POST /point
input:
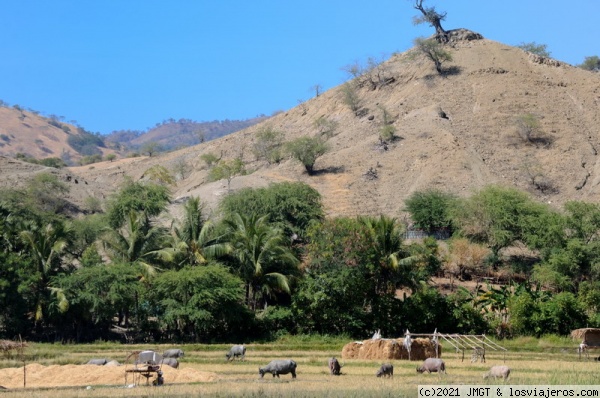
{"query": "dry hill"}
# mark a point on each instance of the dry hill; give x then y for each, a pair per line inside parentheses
(456, 132)
(26, 132)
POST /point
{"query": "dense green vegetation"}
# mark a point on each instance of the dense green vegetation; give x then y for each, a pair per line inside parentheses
(270, 264)
(86, 143)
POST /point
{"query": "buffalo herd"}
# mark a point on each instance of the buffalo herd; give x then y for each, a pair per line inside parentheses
(285, 366)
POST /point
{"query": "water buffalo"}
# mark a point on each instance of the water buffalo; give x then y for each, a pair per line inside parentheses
(173, 353)
(498, 371)
(334, 366)
(432, 365)
(97, 361)
(279, 367)
(236, 351)
(172, 362)
(148, 358)
(387, 369)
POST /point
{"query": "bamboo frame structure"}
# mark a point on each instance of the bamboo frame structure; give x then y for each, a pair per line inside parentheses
(460, 342)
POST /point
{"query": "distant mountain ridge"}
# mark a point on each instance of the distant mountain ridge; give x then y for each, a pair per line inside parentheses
(174, 134)
(28, 134)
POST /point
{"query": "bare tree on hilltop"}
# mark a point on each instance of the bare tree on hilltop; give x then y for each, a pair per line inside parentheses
(433, 18)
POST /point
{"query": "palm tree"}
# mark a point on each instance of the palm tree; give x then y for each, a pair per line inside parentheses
(138, 242)
(396, 265)
(266, 264)
(194, 241)
(46, 244)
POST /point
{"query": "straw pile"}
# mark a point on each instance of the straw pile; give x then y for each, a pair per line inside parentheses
(89, 375)
(390, 349)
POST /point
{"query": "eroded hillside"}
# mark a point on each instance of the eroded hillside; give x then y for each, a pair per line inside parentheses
(456, 132)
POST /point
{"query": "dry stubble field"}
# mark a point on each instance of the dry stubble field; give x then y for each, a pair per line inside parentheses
(204, 372)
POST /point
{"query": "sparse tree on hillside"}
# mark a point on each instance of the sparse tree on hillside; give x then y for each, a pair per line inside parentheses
(268, 145)
(534, 48)
(530, 130)
(350, 97)
(159, 175)
(307, 150)
(433, 18)
(317, 88)
(151, 148)
(374, 73)
(210, 158)
(201, 134)
(326, 126)
(181, 168)
(591, 63)
(434, 51)
(110, 157)
(387, 130)
(228, 169)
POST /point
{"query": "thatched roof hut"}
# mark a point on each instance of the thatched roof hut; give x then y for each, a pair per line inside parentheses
(590, 335)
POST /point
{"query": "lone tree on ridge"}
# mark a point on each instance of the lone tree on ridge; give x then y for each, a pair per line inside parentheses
(433, 18)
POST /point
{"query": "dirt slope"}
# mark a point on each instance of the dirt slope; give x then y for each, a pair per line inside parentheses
(456, 132)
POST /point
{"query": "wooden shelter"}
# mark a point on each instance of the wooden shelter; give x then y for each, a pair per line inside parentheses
(591, 336)
(589, 339)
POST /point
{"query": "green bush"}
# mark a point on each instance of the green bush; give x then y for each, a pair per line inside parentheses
(430, 209)
(90, 159)
(86, 143)
(591, 63)
(307, 150)
(534, 48)
(57, 163)
(209, 158)
(267, 145)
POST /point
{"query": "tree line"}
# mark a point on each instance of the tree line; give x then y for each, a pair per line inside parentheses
(270, 263)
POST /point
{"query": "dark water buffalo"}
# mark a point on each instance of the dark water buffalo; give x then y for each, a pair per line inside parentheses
(236, 351)
(334, 366)
(97, 361)
(432, 365)
(173, 353)
(279, 367)
(172, 362)
(386, 370)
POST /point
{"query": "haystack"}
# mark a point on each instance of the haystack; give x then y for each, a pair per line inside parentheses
(383, 349)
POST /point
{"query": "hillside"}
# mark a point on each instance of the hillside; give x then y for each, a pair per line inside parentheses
(456, 132)
(28, 133)
(173, 134)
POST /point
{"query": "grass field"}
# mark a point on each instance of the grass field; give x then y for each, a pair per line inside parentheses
(533, 361)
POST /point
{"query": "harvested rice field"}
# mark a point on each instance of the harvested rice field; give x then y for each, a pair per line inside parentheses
(59, 371)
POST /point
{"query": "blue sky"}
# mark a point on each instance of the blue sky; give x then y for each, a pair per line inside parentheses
(129, 64)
